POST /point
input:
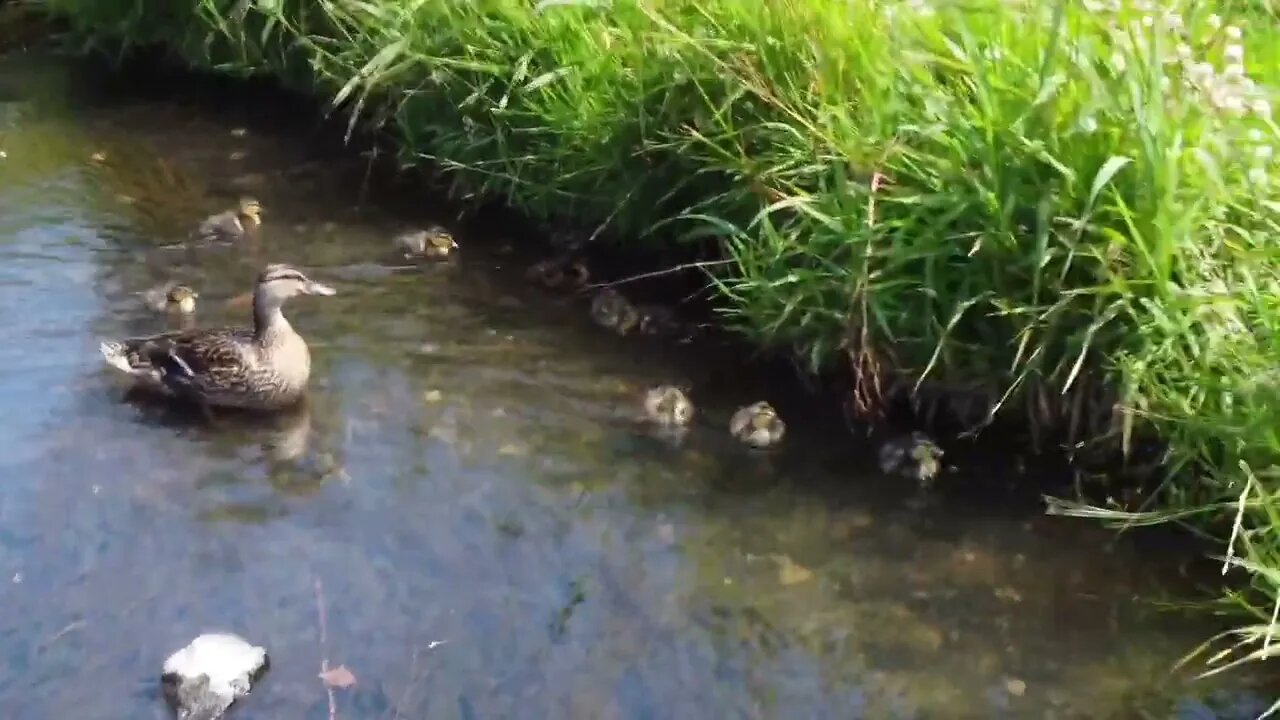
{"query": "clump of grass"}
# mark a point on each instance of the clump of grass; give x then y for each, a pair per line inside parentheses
(1068, 210)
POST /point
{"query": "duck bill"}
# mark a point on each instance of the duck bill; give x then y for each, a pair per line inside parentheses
(315, 288)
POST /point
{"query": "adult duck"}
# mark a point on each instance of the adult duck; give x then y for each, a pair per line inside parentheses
(265, 367)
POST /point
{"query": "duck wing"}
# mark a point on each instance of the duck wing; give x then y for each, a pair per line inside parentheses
(192, 361)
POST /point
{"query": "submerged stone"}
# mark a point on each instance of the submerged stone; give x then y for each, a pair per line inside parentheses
(204, 678)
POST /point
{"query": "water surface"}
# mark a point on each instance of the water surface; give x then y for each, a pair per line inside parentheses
(467, 471)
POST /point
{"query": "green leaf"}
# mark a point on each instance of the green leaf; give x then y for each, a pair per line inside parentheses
(1109, 169)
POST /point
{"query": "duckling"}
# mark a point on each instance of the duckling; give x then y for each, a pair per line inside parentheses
(576, 275)
(265, 367)
(757, 425)
(612, 311)
(232, 224)
(181, 299)
(558, 274)
(545, 273)
(568, 240)
(668, 406)
(659, 320)
(912, 456)
(435, 242)
(171, 298)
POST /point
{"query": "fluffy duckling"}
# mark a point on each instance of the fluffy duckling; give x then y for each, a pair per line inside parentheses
(232, 224)
(171, 298)
(435, 242)
(662, 320)
(757, 425)
(559, 275)
(612, 311)
(181, 299)
(659, 320)
(668, 406)
(545, 273)
(913, 456)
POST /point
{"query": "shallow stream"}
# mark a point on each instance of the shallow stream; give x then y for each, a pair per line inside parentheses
(491, 535)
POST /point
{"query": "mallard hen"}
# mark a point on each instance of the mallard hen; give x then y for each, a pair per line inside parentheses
(757, 425)
(265, 367)
(668, 406)
(232, 224)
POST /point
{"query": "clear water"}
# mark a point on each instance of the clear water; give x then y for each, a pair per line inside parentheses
(467, 472)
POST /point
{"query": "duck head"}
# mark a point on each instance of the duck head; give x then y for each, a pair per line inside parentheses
(249, 211)
(181, 298)
(279, 282)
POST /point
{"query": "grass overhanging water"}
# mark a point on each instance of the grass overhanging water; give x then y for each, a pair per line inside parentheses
(1067, 211)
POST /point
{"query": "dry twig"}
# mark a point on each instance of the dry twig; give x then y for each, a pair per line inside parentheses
(324, 648)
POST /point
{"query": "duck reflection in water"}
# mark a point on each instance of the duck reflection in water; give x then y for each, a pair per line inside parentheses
(287, 439)
(287, 435)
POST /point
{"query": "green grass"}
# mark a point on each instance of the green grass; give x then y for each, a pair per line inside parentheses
(1058, 207)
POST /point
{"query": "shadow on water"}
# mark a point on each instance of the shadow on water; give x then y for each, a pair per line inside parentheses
(468, 470)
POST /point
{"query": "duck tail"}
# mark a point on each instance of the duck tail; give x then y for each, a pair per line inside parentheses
(116, 355)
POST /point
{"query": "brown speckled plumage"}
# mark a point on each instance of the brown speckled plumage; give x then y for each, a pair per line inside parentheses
(757, 425)
(613, 311)
(266, 367)
(668, 405)
(435, 242)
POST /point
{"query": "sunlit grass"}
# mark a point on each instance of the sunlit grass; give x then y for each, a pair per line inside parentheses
(1072, 206)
